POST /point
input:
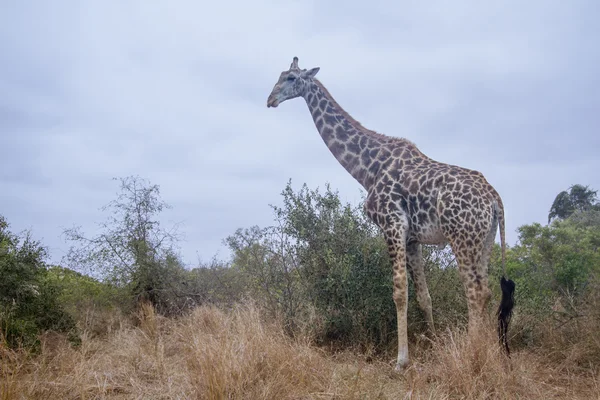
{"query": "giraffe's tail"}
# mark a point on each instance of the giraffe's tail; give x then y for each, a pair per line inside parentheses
(506, 285)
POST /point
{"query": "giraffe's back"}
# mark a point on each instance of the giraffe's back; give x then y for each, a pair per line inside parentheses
(440, 200)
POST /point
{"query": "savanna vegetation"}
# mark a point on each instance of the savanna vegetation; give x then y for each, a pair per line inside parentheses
(303, 309)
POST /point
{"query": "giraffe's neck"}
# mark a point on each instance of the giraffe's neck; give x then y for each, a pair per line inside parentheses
(360, 151)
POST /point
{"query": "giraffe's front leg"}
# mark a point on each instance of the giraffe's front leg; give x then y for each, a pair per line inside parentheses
(395, 234)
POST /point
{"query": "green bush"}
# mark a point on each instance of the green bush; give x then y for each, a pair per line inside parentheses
(28, 300)
(326, 256)
(553, 267)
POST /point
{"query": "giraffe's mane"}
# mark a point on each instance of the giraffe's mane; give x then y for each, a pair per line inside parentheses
(354, 122)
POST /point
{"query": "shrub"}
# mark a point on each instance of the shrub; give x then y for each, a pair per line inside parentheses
(28, 300)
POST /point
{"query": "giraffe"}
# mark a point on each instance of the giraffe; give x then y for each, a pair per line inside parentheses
(413, 199)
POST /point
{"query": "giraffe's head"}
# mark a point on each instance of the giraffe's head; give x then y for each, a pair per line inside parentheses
(291, 84)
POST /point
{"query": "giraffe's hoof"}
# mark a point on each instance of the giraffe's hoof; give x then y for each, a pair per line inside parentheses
(401, 366)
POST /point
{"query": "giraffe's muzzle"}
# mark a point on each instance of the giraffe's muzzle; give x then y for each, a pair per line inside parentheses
(272, 101)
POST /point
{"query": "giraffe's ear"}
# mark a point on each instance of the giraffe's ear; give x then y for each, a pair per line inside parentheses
(310, 73)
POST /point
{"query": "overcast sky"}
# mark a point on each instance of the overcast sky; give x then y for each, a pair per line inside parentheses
(175, 91)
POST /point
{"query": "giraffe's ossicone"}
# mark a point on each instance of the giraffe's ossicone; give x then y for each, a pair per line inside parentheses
(414, 200)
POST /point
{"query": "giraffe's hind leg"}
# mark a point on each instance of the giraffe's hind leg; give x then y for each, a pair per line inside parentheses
(414, 259)
(470, 254)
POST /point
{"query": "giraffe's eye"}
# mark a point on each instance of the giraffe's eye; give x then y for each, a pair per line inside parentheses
(291, 78)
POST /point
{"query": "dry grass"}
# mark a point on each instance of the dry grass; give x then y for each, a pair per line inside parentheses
(212, 354)
(473, 366)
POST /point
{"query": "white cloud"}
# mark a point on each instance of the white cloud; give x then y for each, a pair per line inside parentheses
(176, 92)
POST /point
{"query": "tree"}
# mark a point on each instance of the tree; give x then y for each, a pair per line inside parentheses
(577, 198)
(132, 249)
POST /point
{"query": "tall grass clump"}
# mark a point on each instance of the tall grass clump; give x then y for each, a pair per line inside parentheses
(463, 365)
